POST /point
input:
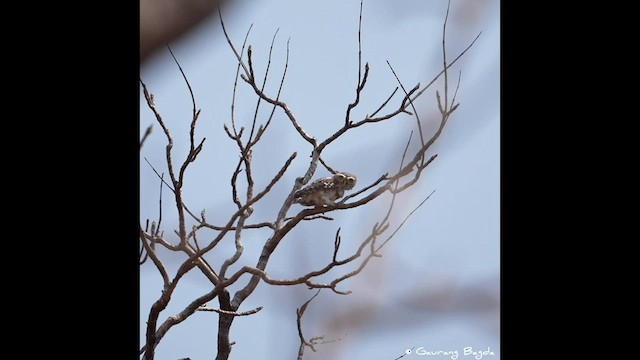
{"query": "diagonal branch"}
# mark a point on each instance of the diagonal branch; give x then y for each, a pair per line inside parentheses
(404, 221)
(448, 66)
(410, 101)
(172, 190)
(154, 257)
(147, 132)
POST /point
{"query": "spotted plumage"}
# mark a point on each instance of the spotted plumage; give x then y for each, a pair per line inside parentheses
(325, 191)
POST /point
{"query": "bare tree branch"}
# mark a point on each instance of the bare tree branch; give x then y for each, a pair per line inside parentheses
(233, 313)
(383, 104)
(262, 129)
(299, 313)
(361, 80)
(146, 134)
(448, 66)
(411, 102)
(249, 79)
(184, 314)
(329, 168)
(235, 85)
(264, 83)
(154, 257)
(404, 221)
(172, 190)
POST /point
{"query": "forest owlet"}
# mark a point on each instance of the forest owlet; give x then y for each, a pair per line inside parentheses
(325, 191)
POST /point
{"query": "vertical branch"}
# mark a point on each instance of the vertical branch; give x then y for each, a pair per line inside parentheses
(360, 43)
(191, 157)
(444, 58)
(455, 93)
(234, 185)
(160, 206)
(224, 325)
(299, 313)
(262, 129)
(361, 80)
(235, 83)
(264, 83)
(143, 255)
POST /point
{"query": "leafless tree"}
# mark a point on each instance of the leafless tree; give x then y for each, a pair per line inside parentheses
(246, 194)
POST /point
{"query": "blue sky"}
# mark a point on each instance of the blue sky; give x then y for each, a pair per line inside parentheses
(437, 285)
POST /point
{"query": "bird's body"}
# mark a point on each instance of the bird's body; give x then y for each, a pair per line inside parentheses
(325, 191)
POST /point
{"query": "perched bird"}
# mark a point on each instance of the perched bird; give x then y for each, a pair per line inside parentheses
(325, 191)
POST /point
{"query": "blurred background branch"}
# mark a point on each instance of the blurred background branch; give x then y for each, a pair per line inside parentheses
(162, 21)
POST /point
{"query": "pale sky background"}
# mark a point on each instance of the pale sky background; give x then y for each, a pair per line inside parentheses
(437, 286)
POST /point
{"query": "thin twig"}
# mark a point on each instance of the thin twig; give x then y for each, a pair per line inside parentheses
(299, 313)
(336, 246)
(403, 221)
(264, 83)
(384, 103)
(147, 132)
(153, 108)
(248, 78)
(262, 129)
(378, 181)
(444, 58)
(193, 99)
(410, 101)
(195, 238)
(234, 313)
(448, 66)
(235, 85)
(154, 257)
(191, 157)
(172, 190)
(159, 206)
(361, 80)
(329, 168)
(224, 30)
(143, 255)
(455, 93)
